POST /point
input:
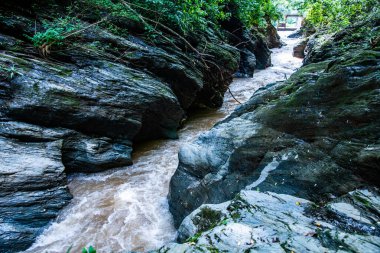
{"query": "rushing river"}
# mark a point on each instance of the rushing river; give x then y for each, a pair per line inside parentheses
(126, 208)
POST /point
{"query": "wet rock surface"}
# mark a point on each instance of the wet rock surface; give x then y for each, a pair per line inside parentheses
(253, 47)
(81, 154)
(270, 222)
(32, 191)
(84, 106)
(272, 36)
(314, 136)
(299, 49)
(296, 34)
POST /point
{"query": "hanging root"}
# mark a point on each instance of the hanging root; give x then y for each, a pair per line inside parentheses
(233, 96)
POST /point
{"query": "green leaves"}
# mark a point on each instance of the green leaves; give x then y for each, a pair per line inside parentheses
(55, 31)
(89, 250)
(190, 15)
(334, 14)
(182, 16)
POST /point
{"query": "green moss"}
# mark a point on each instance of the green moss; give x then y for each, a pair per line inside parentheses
(235, 216)
(285, 247)
(207, 218)
(213, 249)
(36, 87)
(72, 101)
(332, 241)
(361, 200)
(194, 238)
(362, 57)
(224, 55)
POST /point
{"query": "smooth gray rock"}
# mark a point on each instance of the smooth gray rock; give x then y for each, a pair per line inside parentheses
(83, 154)
(296, 34)
(247, 64)
(252, 44)
(106, 95)
(272, 37)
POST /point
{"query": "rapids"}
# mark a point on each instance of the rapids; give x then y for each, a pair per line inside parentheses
(127, 208)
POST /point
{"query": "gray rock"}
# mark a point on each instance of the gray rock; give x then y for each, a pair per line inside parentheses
(90, 99)
(299, 49)
(81, 154)
(272, 36)
(247, 64)
(105, 94)
(270, 222)
(32, 190)
(296, 34)
(32, 133)
(252, 44)
(314, 136)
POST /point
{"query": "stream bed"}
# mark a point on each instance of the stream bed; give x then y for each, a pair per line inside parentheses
(127, 208)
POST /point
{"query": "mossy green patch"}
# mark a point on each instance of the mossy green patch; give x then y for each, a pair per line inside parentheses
(207, 218)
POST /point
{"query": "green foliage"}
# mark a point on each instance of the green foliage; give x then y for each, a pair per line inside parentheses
(187, 15)
(194, 238)
(332, 14)
(207, 218)
(55, 31)
(69, 249)
(257, 12)
(8, 72)
(89, 250)
(182, 16)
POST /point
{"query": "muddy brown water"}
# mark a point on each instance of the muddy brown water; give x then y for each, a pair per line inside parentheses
(126, 209)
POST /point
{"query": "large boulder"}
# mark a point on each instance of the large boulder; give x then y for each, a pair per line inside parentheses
(272, 37)
(296, 34)
(97, 91)
(32, 191)
(252, 44)
(270, 222)
(314, 136)
(84, 154)
(299, 49)
(81, 105)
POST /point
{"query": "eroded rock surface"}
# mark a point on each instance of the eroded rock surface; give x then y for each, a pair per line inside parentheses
(254, 50)
(269, 222)
(299, 49)
(314, 136)
(32, 190)
(80, 107)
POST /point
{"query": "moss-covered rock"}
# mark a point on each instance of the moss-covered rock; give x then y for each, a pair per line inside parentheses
(104, 88)
(315, 135)
(268, 222)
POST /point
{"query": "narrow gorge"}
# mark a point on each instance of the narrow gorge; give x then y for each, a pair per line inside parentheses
(189, 126)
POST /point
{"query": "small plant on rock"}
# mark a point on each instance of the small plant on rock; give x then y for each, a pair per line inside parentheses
(90, 249)
(8, 72)
(55, 33)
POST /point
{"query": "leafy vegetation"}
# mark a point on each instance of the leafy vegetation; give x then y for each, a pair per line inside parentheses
(187, 15)
(330, 14)
(55, 32)
(336, 14)
(90, 249)
(8, 72)
(181, 16)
